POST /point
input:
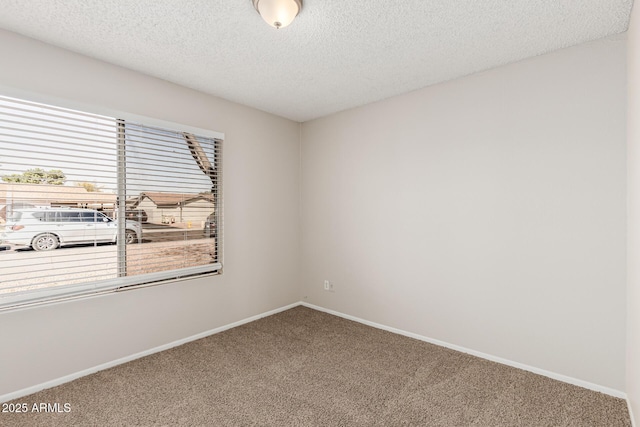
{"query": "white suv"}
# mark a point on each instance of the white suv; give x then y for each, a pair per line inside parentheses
(46, 229)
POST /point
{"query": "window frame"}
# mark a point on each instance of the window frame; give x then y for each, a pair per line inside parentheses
(60, 293)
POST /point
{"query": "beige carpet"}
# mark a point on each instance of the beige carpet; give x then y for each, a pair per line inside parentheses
(307, 368)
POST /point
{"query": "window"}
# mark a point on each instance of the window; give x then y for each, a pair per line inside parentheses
(91, 203)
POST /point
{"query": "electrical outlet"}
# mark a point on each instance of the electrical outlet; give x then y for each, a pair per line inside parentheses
(328, 286)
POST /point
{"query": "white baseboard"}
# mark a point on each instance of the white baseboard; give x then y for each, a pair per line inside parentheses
(633, 420)
(67, 378)
(58, 381)
(553, 375)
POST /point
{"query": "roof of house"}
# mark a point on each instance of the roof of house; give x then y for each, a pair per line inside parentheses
(162, 199)
(51, 194)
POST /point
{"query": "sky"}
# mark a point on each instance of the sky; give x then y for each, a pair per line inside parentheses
(85, 147)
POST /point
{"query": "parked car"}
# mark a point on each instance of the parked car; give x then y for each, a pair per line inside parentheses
(137, 215)
(45, 229)
(210, 226)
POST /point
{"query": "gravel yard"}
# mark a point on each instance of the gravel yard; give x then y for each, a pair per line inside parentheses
(27, 269)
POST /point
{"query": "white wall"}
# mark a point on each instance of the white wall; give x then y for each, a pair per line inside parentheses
(261, 186)
(487, 212)
(633, 134)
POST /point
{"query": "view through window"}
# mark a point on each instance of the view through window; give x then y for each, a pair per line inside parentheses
(90, 203)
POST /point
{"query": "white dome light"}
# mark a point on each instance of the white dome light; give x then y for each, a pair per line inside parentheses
(278, 13)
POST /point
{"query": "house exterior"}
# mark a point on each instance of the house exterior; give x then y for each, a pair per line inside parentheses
(174, 208)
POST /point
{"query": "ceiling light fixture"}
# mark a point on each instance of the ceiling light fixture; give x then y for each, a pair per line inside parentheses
(278, 13)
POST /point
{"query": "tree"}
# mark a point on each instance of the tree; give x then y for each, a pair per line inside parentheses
(37, 176)
(91, 187)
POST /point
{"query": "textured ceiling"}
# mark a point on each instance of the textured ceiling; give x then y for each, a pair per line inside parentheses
(336, 55)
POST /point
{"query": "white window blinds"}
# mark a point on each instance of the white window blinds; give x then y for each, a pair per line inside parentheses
(93, 203)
